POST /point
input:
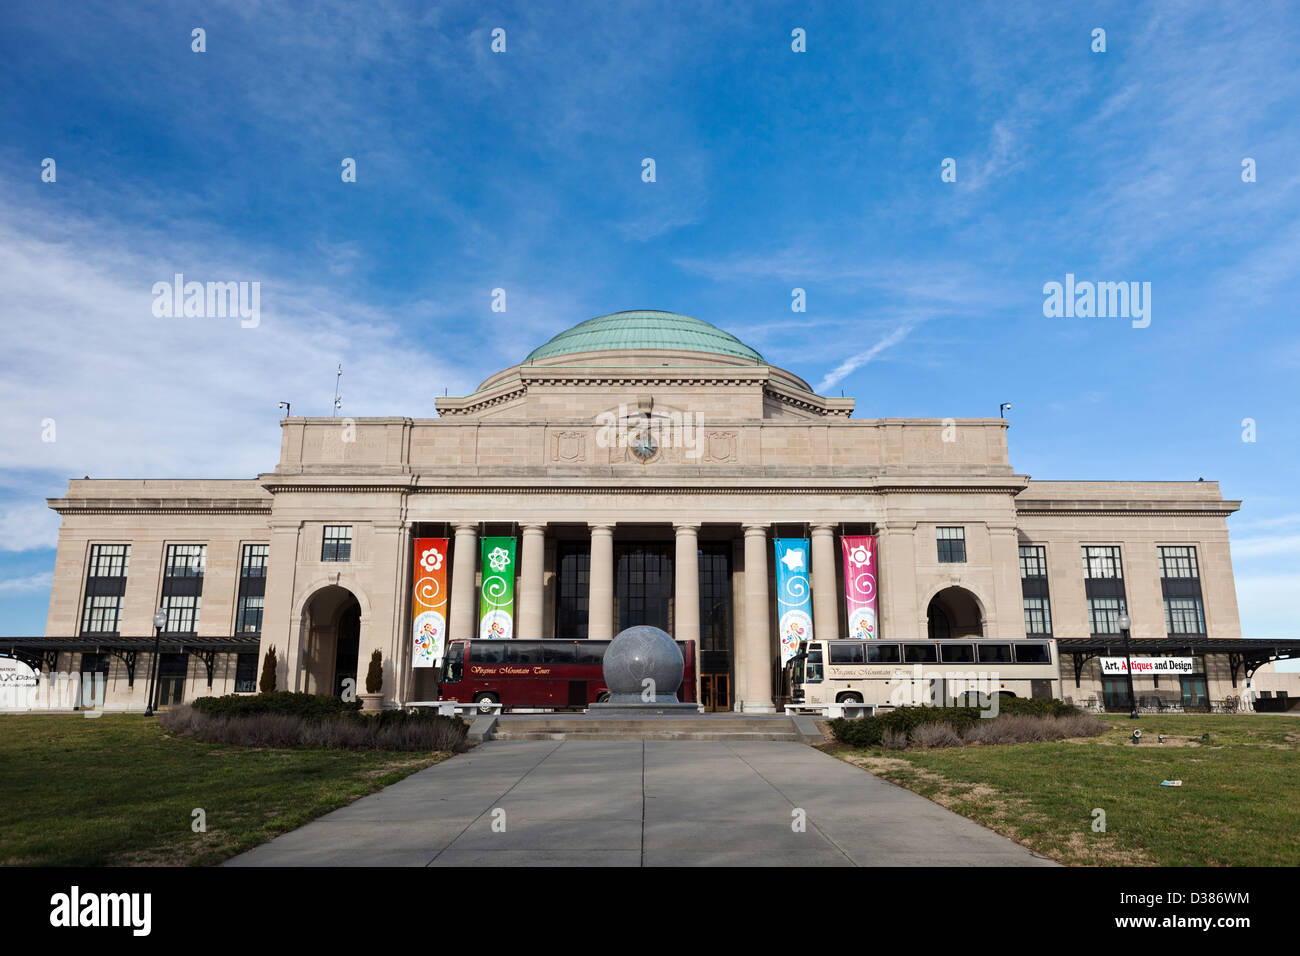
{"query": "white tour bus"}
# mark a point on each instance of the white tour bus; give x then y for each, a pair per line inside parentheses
(902, 673)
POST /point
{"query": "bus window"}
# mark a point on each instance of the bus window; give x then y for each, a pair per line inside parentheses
(589, 653)
(957, 653)
(845, 652)
(453, 664)
(920, 654)
(995, 653)
(523, 652)
(814, 666)
(882, 653)
(487, 652)
(1032, 654)
(559, 652)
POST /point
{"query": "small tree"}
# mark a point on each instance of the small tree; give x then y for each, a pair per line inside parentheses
(267, 685)
(375, 675)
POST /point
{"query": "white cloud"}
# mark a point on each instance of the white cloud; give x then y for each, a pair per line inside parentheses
(854, 362)
(33, 582)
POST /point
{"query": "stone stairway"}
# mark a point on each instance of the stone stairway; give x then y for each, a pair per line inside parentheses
(736, 727)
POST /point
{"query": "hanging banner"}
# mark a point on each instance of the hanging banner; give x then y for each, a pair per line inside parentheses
(497, 595)
(860, 585)
(793, 598)
(429, 603)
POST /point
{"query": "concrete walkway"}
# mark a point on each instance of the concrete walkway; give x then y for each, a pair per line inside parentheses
(640, 803)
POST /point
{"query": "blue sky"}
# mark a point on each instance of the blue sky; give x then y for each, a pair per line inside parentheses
(775, 170)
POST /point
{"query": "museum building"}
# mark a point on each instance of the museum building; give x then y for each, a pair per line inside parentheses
(635, 469)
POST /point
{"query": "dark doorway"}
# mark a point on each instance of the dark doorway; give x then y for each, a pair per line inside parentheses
(347, 648)
(715, 626)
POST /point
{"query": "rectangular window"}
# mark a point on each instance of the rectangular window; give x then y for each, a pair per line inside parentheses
(994, 653)
(1033, 561)
(246, 673)
(1038, 617)
(573, 566)
(1032, 654)
(882, 653)
(252, 589)
(1178, 562)
(920, 653)
(1103, 615)
(847, 654)
(336, 545)
(1102, 562)
(105, 586)
(952, 545)
(1184, 616)
(182, 595)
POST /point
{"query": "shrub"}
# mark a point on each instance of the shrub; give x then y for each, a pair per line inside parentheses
(267, 684)
(935, 735)
(287, 703)
(1037, 707)
(391, 730)
(375, 674)
(893, 740)
(1019, 719)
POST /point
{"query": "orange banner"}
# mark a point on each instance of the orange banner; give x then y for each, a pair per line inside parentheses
(429, 606)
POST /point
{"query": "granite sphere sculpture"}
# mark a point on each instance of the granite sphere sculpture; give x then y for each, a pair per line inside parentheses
(636, 655)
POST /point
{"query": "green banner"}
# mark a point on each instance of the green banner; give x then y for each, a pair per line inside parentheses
(497, 595)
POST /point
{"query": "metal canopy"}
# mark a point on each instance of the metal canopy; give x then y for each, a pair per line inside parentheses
(1244, 654)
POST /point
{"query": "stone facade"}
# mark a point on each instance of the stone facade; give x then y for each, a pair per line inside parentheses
(743, 451)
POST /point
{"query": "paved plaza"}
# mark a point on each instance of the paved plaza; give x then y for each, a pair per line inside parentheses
(640, 803)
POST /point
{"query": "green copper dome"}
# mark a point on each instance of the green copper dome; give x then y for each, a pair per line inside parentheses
(644, 330)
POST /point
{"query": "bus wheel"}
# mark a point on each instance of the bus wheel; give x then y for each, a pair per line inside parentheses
(602, 697)
(485, 698)
(849, 699)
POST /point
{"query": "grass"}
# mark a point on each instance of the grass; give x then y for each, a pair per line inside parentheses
(119, 791)
(1239, 804)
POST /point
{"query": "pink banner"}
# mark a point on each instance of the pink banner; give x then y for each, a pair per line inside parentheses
(860, 585)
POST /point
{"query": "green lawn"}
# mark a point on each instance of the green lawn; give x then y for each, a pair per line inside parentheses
(1239, 804)
(119, 791)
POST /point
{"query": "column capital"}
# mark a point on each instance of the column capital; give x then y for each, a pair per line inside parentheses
(690, 527)
(601, 529)
(825, 528)
(756, 528)
(533, 528)
(466, 527)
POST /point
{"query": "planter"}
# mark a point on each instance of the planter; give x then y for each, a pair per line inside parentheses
(372, 703)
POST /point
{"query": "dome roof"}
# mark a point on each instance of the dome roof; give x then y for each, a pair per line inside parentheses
(647, 329)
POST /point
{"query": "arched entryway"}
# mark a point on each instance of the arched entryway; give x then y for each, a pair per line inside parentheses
(954, 612)
(331, 628)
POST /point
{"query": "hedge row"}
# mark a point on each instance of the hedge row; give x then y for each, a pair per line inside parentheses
(391, 730)
(287, 703)
(868, 731)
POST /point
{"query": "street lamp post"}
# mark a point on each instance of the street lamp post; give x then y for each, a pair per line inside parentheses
(1125, 622)
(159, 622)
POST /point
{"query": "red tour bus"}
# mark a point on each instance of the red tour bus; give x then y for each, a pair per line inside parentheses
(549, 673)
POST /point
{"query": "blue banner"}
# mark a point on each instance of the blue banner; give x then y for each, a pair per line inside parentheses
(793, 595)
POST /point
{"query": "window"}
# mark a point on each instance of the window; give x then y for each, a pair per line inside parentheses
(573, 562)
(1032, 654)
(1103, 615)
(336, 545)
(1102, 562)
(994, 653)
(1038, 617)
(1033, 561)
(252, 589)
(246, 673)
(183, 587)
(1184, 616)
(847, 654)
(920, 654)
(952, 545)
(105, 585)
(715, 597)
(957, 653)
(644, 584)
(882, 653)
(1179, 562)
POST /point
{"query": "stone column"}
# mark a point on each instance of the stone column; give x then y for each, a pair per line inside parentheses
(825, 600)
(600, 599)
(531, 593)
(686, 597)
(758, 634)
(461, 625)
